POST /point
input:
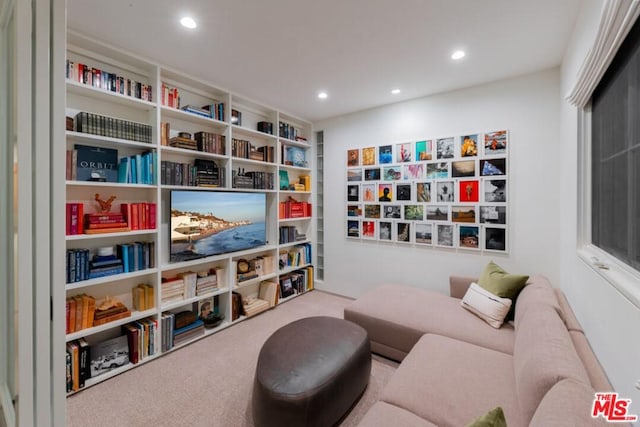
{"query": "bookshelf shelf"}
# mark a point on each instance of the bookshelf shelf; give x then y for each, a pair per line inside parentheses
(234, 124)
(105, 141)
(175, 304)
(174, 113)
(108, 279)
(135, 315)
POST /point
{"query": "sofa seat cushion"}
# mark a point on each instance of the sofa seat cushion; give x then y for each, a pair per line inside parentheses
(451, 383)
(543, 355)
(568, 403)
(383, 414)
(396, 316)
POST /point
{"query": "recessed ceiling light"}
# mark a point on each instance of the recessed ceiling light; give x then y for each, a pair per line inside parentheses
(395, 91)
(458, 54)
(323, 95)
(188, 22)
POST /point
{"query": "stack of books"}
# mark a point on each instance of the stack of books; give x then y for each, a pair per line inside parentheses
(107, 222)
(171, 289)
(206, 284)
(105, 265)
(189, 332)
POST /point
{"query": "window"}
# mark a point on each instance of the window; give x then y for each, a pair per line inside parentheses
(615, 155)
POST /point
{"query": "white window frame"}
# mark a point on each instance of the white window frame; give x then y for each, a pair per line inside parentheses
(617, 20)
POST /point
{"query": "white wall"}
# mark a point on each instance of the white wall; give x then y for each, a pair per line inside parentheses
(528, 107)
(610, 321)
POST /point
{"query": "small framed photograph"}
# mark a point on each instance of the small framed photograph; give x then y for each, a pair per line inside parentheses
(368, 156)
(445, 191)
(391, 173)
(372, 211)
(354, 211)
(403, 152)
(353, 157)
(385, 192)
(495, 143)
(403, 192)
(469, 146)
(369, 230)
(354, 174)
(463, 168)
(414, 212)
(414, 171)
(469, 191)
(438, 213)
(353, 193)
(444, 235)
(423, 233)
(205, 306)
(463, 214)
(391, 211)
(445, 148)
(372, 174)
(424, 150)
(353, 229)
(469, 237)
(495, 190)
(438, 170)
(385, 154)
(423, 192)
(369, 193)
(385, 231)
(493, 167)
(493, 215)
(495, 239)
(403, 232)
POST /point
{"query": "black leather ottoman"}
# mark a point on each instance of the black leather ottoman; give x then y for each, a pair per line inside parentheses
(310, 372)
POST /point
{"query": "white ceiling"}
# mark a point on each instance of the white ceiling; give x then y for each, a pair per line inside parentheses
(282, 52)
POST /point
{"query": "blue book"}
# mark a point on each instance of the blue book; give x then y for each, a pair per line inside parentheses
(188, 327)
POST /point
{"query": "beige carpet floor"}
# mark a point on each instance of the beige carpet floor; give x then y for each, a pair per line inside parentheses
(209, 382)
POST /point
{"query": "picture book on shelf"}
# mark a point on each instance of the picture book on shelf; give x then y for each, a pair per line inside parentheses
(109, 354)
(96, 163)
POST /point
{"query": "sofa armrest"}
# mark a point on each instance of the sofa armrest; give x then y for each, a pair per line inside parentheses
(458, 285)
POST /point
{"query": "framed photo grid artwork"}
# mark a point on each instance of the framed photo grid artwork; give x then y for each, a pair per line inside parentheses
(449, 192)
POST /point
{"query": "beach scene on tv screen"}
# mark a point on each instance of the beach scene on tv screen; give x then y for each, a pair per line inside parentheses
(210, 223)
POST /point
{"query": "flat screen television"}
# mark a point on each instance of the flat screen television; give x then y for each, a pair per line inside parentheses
(206, 223)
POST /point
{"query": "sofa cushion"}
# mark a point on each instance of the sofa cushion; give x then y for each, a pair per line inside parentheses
(543, 355)
(497, 281)
(451, 382)
(487, 306)
(568, 402)
(493, 418)
(537, 291)
(383, 414)
(396, 316)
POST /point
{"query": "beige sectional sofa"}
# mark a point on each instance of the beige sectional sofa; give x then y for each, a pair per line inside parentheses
(539, 368)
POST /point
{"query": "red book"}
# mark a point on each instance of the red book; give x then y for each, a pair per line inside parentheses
(152, 216)
(80, 218)
(125, 209)
(134, 223)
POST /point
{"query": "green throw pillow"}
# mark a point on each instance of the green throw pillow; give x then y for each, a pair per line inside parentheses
(500, 283)
(493, 418)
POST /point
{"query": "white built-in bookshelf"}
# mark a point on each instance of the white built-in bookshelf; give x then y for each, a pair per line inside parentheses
(147, 125)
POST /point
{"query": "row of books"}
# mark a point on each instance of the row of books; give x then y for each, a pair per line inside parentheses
(80, 310)
(170, 96)
(289, 234)
(81, 266)
(137, 256)
(291, 208)
(143, 297)
(288, 131)
(111, 82)
(244, 149)
(138, 169)
(253, 180)
(296, 282)
(140, 215)
(172, 337)
(295, 256)
(197, 174)
(97, 124)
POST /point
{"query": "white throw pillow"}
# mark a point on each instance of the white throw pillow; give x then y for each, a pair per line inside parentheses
(490, 308)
